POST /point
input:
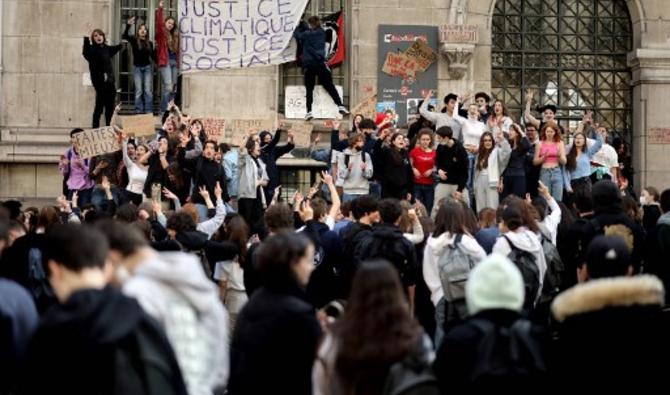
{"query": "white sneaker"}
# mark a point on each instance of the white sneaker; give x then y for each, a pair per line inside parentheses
(343, 110)
(309, 116)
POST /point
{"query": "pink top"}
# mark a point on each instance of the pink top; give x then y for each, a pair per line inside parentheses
(550, 152)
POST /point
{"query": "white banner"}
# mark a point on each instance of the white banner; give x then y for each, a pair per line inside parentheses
(225, 34)
(323, 106)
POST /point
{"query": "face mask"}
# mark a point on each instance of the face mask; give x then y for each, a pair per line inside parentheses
(643, 200)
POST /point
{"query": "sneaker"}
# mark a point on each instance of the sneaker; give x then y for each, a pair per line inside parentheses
(343, 110)
(309, 116)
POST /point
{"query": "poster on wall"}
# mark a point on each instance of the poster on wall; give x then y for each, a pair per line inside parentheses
(407, 68)
(323, 106)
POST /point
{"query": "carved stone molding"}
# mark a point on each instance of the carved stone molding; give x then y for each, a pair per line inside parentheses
(458, 58)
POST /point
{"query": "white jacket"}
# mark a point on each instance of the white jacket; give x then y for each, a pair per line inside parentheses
(526, 240)
(497, 162)
(435, 247)
(173, 289)
(551, 221)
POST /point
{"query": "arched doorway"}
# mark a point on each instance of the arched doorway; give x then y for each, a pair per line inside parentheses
(571, 52)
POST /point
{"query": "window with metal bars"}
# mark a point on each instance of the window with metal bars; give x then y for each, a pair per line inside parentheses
(571, 52)
(291, 74)
(144, 12)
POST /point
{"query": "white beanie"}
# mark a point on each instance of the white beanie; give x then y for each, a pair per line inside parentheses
(495, 283)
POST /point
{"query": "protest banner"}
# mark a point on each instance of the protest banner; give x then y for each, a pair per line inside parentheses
(302, 132)
(215, 128)
(367, 107)
(94, 142)
(422, 54)
(400, 65)
(323, 106)
(238, 128)
(139, 125)
(219, 35)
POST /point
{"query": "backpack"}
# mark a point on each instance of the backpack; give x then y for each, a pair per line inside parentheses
(141, 364)
(412, 375)
(207, 267)
(506, 355)
(527, 265)
(38, 282)
(348, 156)
(454, 266)
(553, 278)
(393, 250)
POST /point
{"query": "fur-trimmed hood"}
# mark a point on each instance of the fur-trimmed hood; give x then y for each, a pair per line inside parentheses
(599, 294)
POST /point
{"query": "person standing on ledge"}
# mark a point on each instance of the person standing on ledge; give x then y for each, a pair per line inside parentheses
(312, 38)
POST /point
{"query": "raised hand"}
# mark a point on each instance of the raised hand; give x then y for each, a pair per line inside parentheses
(327, 178)
(169, 194)
(530, 94)
(105, 184)
(131, 20)
(336, 125)
(218, 191)
(203, 192)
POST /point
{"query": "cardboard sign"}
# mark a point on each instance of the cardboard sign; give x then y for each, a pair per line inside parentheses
(215, 128)
(302, 132)
(238, 128)
(323, 106)
(367, 107)
(459, 34)
(94, 142)
(400, 65)
(422, 54)
(139, 125)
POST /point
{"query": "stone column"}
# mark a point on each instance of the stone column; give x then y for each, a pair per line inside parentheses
(651, 118)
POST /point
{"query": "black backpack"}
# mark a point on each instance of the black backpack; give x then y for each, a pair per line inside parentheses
(38, 281)
(393, 250)
(348, 156)
(553, 278)
(527, 265)
(506, 355)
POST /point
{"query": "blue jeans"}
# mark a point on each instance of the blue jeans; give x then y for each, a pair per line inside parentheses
(83, 196)
(144, 97)
(202, 212)
(375, 189)
(471, 175)
(425, 194)
(169, 81)
(553, 179)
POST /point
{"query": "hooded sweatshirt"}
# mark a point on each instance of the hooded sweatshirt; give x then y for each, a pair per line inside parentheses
(78, 345)
(355, 178)
(435, 247)
(525, 240)
(173, 289)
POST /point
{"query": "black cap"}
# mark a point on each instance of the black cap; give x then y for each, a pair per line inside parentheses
(608, 256)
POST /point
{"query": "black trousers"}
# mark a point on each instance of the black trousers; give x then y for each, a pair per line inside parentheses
(325, 78)
(105, 98)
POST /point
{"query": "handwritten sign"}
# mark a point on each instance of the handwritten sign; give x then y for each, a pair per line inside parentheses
(218, 35)
(302, 132)
(215, 128)
(367, 107)
(659, 136)
(238, 128)
(94, 142)
(422, 54)
(400, 65)
(323, 106)
(139, 125)
(459, 34)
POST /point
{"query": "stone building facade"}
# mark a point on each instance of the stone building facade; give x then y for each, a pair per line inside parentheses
(43, 95)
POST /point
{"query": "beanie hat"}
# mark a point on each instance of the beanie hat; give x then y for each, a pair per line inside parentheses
(495, 283)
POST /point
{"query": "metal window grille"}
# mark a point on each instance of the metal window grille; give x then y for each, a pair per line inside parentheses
(145, 13)
(571, 52)
(291, 74)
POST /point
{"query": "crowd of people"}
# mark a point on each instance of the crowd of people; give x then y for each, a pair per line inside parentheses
(469, 253)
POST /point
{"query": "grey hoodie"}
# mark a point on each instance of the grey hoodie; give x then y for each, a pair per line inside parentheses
(354, 179)
(173, 289)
